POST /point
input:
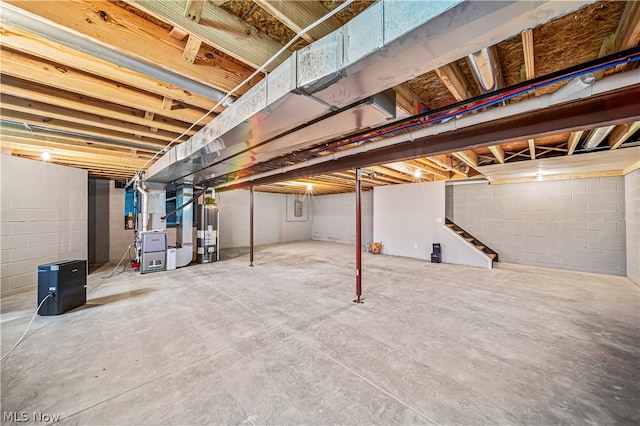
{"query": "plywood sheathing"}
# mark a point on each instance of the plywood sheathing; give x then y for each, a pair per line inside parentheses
(567, 41)
(263, 21)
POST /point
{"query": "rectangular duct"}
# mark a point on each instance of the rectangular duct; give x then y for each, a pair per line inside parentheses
(388, 44)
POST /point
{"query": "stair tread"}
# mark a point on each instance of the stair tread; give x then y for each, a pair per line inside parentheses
(480, 248)
(470, 239)
(459, 232)
(450, 225)
(492, 255)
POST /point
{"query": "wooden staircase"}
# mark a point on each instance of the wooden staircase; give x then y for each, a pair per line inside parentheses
(472, 240)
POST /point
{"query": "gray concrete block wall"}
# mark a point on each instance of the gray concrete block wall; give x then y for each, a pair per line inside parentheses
(570, 224)
(43, 218)
(270, 219)
(632, 216)
(334, 218)
(119, 238)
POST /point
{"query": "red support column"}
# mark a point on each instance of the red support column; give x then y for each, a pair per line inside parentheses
(358, 236)
(251, 226)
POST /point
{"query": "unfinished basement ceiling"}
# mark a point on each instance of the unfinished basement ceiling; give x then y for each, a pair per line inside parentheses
(90, 111)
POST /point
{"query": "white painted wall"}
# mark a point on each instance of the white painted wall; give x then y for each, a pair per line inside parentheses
(119, 238)
(270, 224)
(334, 218)
(43, 218)
(409, 218)
(405, 218)
(632, 219)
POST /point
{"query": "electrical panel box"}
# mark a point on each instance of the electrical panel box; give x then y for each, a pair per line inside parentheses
(67, 281)
(297, 208)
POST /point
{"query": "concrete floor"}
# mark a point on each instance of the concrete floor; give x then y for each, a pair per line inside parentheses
(281, 343)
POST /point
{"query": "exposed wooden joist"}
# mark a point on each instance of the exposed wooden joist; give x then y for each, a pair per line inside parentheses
(452, 77)
(406, 100)
(39, 144)
(298, 15)
(51, 96)
(529, 56)
(27, 43)
(191, 49)
(621, 133)
(386, 171)
(445, 162)
(608, 47)
(469, 157)
(37, 108)
(628, 31)
(584, 175)
(78, 157)
(134, 35)
(20, 135)
(178, 34)
(497, 152)
(65, 78)
(219, 28)
(532, 148)
(21, 117)
(193, 10)
(428, 169)
(574, 139)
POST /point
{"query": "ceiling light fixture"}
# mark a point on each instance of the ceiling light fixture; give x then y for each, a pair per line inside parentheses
(417, 174)
(309, 187)
(46, 155)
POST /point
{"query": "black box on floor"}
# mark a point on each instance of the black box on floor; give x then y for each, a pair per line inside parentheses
(435, 257)
(67, 280)
(436, 248)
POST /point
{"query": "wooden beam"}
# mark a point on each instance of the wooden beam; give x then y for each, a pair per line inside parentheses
(68, 126)
(469, 157)
(83, 157)
(52, 96)
(452, 77)
(445, 162)
(98, 19)
(529, 56)
(55, 75)
(178, 34)
(44, 49)
(584, 175)
(149, 116)
(191, 49)
(193, 10)
(219, 28)
(37, 108)
(574, 139)
(80, 149)
(18, 135)
(426, 168)
(396, 176)
(497, 152)
(532, 148)
(628, 31)
(608, 47)
(406, 100)
(621, 133)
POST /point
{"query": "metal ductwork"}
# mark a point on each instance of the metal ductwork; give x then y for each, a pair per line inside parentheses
(308, 97)
(486, 69)
(596, 136)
